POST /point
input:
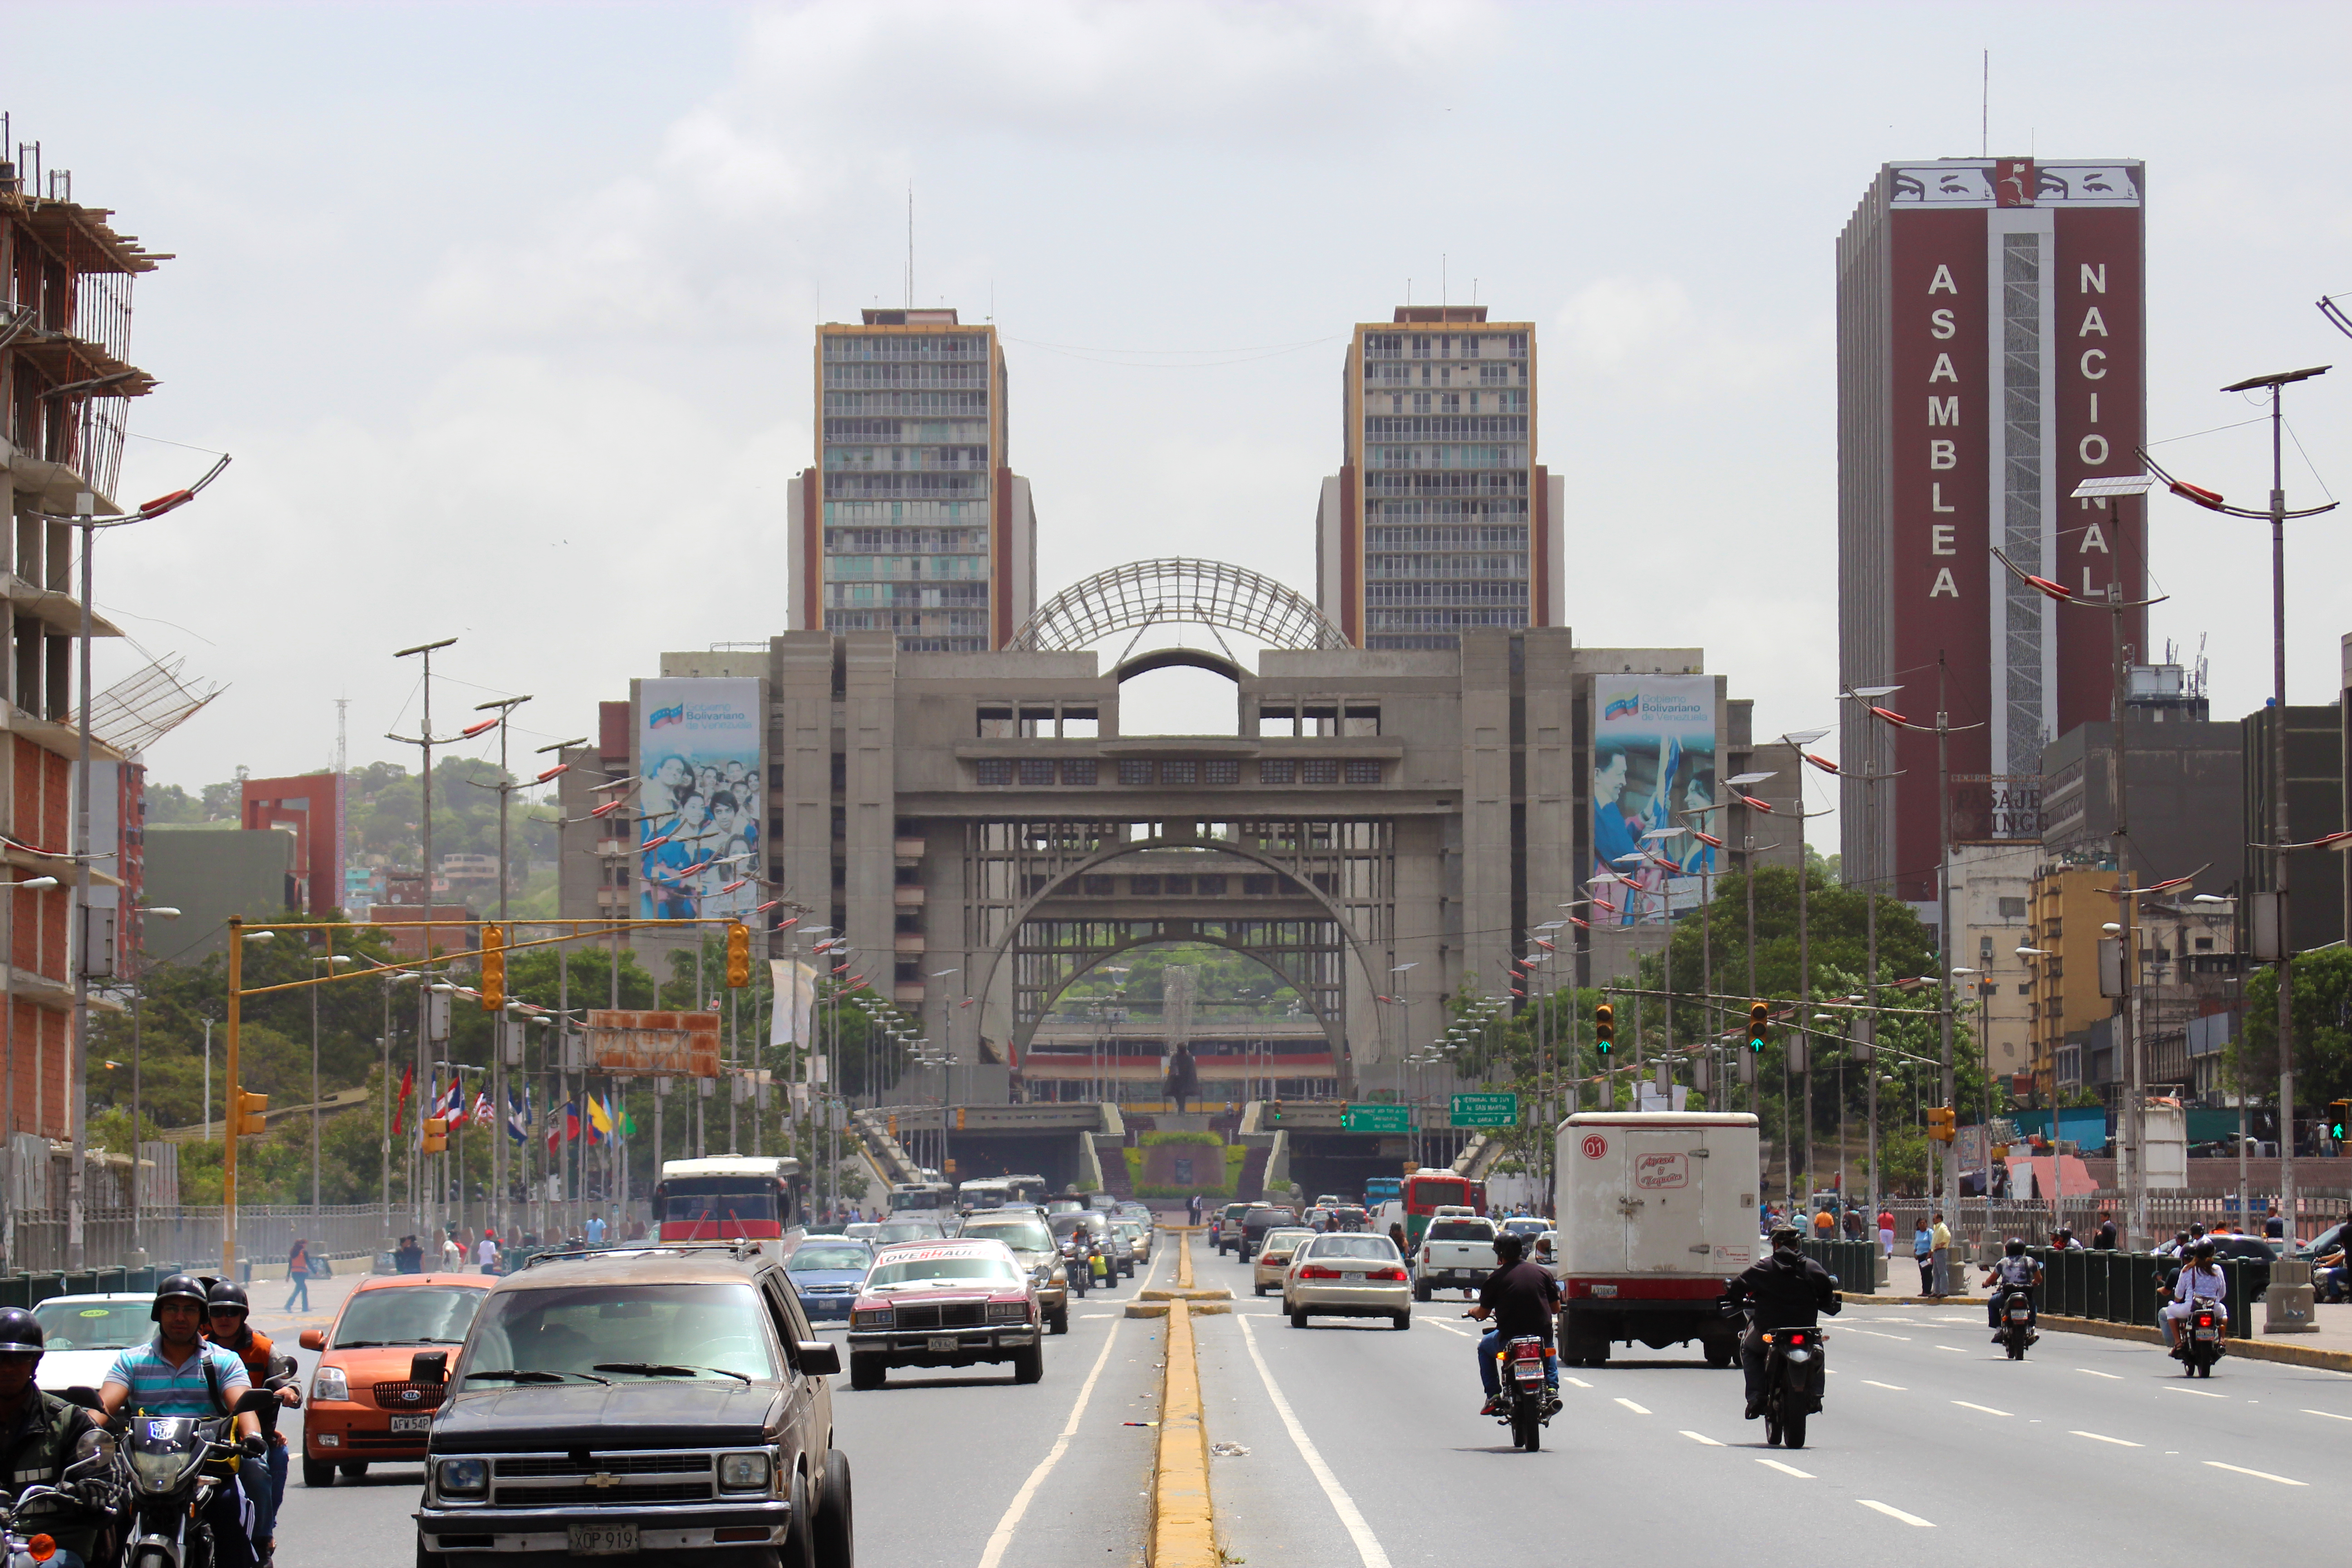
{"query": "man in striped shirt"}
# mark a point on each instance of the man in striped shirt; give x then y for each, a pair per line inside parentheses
(179, 1373)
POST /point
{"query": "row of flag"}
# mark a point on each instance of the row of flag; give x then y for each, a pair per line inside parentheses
(598, 1121)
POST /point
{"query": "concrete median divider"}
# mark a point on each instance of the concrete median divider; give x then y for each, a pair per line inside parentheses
(1184, 1532)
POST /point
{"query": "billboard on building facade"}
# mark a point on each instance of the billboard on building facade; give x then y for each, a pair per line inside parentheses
(699, 798)
(1653, 758)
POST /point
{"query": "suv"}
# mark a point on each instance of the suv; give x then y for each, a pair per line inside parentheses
(1259, 1218)
(1229, 1225)
(1024, 1231)
(662, 1398)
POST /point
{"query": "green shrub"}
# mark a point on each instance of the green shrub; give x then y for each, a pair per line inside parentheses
(1155, 1140)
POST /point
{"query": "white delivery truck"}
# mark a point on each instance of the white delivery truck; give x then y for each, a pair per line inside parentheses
(1656, 1213)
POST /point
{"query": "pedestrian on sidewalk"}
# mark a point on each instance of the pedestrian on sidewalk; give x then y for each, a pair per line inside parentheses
(486, 1254)
(1922, 1253)
(2272, 1225)
(2105, 1241)
(297, 1270)
(1942, 1234)
(1887, 1233)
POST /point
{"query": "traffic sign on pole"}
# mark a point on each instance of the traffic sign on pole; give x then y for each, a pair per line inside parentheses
(1486, 1110)
(1375, 1118)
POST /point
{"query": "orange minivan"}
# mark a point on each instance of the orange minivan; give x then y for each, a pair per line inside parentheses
(364, 1407)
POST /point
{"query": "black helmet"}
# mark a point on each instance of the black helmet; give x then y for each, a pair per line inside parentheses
(186, 1286)
(20, 1332)
(1785, 1237)
(2015, 1247)
(1509, 1247)
(228, 1293)
(2201, 1251)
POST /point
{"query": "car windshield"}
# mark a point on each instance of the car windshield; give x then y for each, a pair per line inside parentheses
(1021, 1236)
(1378, 1248)
(976, 1268)
(907, 1230)
(828, 1255)
(605, 1331)
(1283, 1240)
(96, 1325)
(408, 1315)
(1461, 1230)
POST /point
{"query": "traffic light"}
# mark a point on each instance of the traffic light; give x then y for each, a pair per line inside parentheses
(1759, 1016)
(739, 954)
(436, 1134)
(1940, 1125)
(494, 967)
(246, 1118)
(1604, 1031)
(2339, 1113)
(1278, 1113)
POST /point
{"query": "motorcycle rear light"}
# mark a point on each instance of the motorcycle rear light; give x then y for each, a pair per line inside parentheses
(41, 1548)
(1529, 1353)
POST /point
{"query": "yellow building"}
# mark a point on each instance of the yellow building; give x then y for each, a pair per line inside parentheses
(2071, 903)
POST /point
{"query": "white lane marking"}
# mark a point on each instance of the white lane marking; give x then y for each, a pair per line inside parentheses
(1002, 1537)
(1986, 1408)
(2257, 1475)
(1449, 1328)
(1702, 1437)
(2101, 1437)
(1786, 1469)
(1954, 1349)
(1873, 1334)
(1636, 1409)
(2199, 1393)
(2110, 1376)
(1577, 1381)
(1352, 1519)
(2330, 1414)
(1895, 1386)
(1891, 1511)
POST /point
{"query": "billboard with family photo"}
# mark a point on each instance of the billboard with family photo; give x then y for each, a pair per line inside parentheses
(699, 798)
(1652, 762)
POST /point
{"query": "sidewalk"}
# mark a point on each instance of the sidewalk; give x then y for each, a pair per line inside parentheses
(326, 1297)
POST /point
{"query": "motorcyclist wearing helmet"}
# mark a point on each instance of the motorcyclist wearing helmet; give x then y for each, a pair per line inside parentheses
(179, 1373)
(227, 1308)
(1521, 1298)
(2011, 1273)
(49, 1441)
(1787, 1290)
(2200, 1280)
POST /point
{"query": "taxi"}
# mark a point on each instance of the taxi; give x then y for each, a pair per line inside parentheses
(945, 1303)
(365, 1408)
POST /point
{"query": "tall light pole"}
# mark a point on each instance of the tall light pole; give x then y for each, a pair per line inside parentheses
(1798, 741)
(425, 1010)
(1874, 872)
(331, 962)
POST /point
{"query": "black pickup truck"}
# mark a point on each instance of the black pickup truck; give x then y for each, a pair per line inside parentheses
(643, 1402)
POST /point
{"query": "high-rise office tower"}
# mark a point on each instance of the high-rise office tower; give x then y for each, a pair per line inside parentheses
(912, 522)
(1991, 355)
(1440, 516)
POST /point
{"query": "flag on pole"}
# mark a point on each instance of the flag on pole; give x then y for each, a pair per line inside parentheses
(563, 1124)
(407, 1086)
(628, 1123)
(601, 1119)
(518, 1115)
(482, 1111)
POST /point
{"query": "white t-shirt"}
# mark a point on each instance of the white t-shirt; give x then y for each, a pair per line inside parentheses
(488, 1253)
(452, 1254)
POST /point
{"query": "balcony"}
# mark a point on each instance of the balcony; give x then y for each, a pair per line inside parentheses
(907, 993)
(906, 941)
(907, 848)
(908, 898)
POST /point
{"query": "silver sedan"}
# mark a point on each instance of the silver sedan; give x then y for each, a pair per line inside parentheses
(1271, 1261)
(1349, 1276)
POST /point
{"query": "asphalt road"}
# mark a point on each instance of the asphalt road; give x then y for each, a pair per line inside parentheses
(1364, 1447)
(951, 1468)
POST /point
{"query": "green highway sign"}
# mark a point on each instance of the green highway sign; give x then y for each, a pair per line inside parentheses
(1376, 1118)
(1486, 1110)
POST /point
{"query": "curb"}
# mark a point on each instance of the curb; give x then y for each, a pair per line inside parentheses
(1201, 1308)
(2250, 1350)
(1184, 1532)
(1214, 1293)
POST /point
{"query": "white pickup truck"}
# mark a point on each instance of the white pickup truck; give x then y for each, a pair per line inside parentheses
(1457, 1253)
(1657, 1213)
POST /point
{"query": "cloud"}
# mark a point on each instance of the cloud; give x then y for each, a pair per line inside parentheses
(1648, 329)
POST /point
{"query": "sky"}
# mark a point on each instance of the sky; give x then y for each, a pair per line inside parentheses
(505, 311)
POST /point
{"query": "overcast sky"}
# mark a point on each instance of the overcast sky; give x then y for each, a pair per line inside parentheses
(505, 311)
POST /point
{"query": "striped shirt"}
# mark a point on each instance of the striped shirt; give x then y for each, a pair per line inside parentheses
(158, 1387)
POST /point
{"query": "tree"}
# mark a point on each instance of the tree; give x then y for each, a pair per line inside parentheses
(2321, 1004)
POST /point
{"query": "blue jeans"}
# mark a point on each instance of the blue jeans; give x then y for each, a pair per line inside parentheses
(301, 1282)
(1490, 1345)
(268, 1500)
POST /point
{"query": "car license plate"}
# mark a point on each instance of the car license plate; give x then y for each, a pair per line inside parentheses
(603, 1540)
(941, 1344)
(411, 1424)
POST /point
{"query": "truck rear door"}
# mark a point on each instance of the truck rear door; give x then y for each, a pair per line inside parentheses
(1665, 1200)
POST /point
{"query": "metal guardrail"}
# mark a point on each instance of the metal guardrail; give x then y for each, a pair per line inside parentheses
(265, 1233)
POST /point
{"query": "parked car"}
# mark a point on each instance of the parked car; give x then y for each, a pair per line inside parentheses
(662, 1399)
(1274, 1253)
(827, 1271)
(946, 1303)
(1348, 1276)
(366, 1406)
(1258, 1219)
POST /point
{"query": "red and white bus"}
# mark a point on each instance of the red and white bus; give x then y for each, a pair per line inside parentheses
(1423, 1193)
(728, 1198)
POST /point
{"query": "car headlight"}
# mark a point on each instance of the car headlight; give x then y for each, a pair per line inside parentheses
(744, 1472)
(872, 1318)
(329, 1383)
(464, 1478)
(1008, 1312)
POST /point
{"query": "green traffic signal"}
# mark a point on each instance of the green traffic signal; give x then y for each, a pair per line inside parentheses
(1757, 1014)
(1604, 1028)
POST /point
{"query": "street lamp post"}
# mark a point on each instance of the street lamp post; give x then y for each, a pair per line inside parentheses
(1874, 877)
(330, 962)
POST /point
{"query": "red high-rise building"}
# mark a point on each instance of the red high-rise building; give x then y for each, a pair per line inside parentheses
(1991, 355)
(311, 806)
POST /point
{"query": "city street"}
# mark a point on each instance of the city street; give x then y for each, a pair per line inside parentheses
(1363, 1446)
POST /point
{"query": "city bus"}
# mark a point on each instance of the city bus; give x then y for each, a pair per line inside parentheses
(726, 1198)
(1425, 1192)
(922, 1197)
(1381, 1190)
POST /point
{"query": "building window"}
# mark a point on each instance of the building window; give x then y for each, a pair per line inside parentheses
(1098, 887)
(1211, 887)
(1036, 773)
(1180, 773)
(1362, 771)
(996, 723)
(1176, 887)
(1134, 772)
(993, 771)
(1271, 771)
(1143, 886)
(1257, 887)
(1080, 770)
(2012, 909)
(2204, 944)
(1221, 771)
(1320, 770)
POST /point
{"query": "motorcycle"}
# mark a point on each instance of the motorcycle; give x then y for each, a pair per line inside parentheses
(1793, 1376)
(178, 1463)
(2017, 1330)
(92, 1494)
(2199, 1344)
(1524, 1404)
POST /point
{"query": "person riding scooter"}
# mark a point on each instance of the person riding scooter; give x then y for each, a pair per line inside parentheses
(1521, 1298)
(2012, 1273)
(2200, 1280)
(1787, 1290)
(180, 1372)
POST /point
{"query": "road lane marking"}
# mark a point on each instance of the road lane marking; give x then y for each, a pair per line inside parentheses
(2199, 1393)
(1352, 1519)
(1636, 1409)
(1702, 1437)
(1449, 1328)
(2110, 1376)
(1895, 1386)
(1954, 1349)
(2257, 1475)
(1986, 1408)
(1002, 1537)
(1875, 1335)
(1577, 1381)
(2330, 1414)
(1786, 1469)
(1891, 1511)
(2098, 1438)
